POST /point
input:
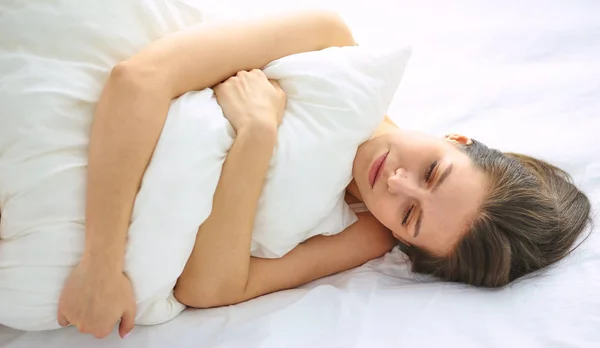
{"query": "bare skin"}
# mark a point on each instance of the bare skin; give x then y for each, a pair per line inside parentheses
(127, 123)
(223, 241)
(427, 191)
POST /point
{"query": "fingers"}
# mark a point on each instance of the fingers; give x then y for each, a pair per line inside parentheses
(243, 79)
(253, 73)
(98, 333)
(244, 75)
(127, 323)
(62, 321)
(276, 85)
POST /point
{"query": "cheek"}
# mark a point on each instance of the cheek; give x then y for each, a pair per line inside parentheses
(384, 211)
(359, 165)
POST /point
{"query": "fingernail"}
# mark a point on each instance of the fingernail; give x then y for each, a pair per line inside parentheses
(127, 334)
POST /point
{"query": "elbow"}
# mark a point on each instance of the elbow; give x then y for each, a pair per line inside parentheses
(340, 32)
(125, 73)
(137, 76)
(204, 296)
(196, 299)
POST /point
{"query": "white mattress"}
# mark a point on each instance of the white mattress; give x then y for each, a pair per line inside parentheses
(519, 75)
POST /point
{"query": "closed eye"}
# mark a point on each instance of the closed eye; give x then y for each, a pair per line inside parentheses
(429, 171)
(407, 215)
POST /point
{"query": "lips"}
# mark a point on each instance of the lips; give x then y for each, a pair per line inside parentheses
(375, 170)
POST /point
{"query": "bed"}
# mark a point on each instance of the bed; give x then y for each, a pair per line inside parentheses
(522, 76)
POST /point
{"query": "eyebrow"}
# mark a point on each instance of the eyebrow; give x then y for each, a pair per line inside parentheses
(442, 178)
(418, 225)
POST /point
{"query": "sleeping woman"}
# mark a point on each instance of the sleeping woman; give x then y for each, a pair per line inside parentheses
(461, 211)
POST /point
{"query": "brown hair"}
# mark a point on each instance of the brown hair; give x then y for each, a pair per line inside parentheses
(530, 219)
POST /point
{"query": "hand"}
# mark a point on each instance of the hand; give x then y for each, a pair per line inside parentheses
(95, 298)
(249, 97)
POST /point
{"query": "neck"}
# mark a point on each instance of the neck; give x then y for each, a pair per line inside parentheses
(352, 191)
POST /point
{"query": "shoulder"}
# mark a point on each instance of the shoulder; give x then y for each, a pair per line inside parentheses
(387, 126)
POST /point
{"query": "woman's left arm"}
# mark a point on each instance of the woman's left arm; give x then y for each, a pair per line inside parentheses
(318, 257)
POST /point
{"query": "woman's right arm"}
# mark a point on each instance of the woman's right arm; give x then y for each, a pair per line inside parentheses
(127, 124)
(134, 104)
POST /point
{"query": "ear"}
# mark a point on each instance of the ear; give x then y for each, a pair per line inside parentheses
(459, 139)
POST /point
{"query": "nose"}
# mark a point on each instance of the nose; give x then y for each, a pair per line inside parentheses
(401, 182)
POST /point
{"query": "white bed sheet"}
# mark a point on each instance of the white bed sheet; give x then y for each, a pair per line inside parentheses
(520, 75)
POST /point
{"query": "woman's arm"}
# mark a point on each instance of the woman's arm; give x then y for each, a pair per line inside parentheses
(207, 54)
(221, 272)
(220, 258)
(134, 104)
(318, 257)
(128, 120)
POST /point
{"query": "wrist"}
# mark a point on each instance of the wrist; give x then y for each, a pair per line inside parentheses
(99, 266)
(259, 129)
(102, 260)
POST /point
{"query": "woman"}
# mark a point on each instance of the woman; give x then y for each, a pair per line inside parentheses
(465, 212)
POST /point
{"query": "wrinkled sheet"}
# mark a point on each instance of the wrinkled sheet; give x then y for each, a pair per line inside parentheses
(519, 75)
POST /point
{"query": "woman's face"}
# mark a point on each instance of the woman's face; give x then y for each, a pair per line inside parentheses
(423, 188)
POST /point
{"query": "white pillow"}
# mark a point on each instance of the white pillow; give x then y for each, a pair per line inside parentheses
(336, 98)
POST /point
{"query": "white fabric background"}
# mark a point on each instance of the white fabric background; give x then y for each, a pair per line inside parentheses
(520, 75)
